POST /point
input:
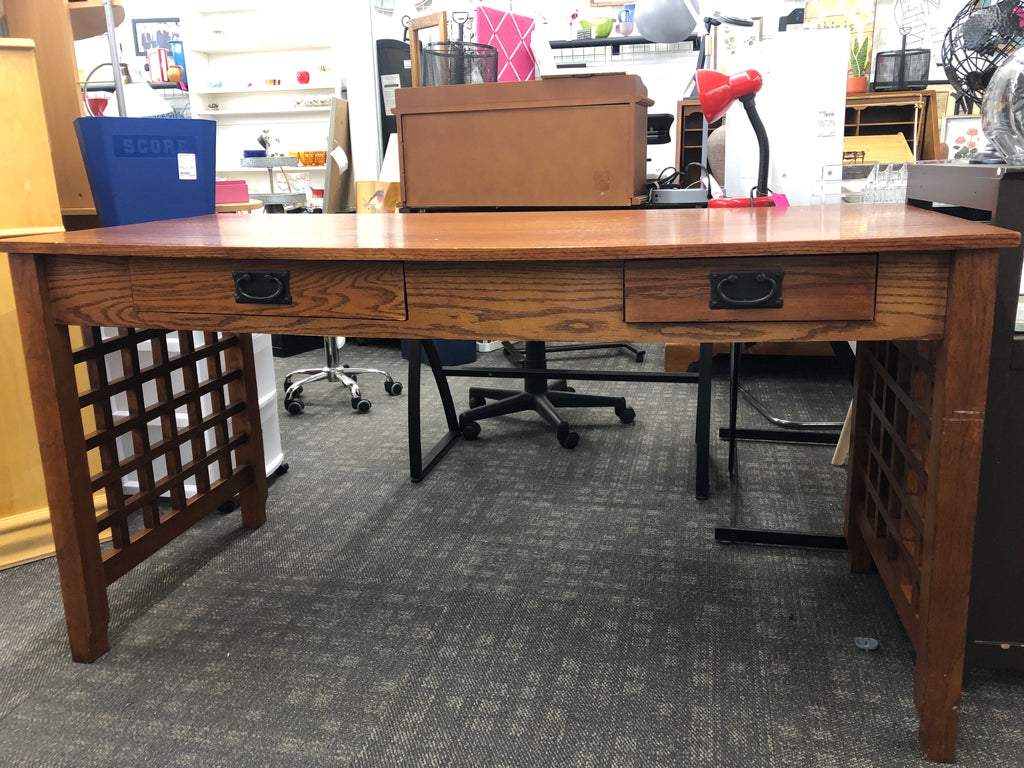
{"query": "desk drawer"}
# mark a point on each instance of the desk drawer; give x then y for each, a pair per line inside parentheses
(369, 290)
(834, 287)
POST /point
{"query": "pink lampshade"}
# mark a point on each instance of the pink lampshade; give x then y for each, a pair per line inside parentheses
(717, 91)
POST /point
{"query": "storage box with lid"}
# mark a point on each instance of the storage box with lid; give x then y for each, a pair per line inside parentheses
(559, 142)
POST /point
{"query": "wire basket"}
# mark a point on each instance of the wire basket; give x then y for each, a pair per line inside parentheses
(455, 63)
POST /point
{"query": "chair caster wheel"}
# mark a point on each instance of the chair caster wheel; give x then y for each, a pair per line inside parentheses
(287, 385)
(625, 414)
(294, 406)
(566, 437)
(476, 402)
(361, 405)
(393, 387)
(281, 469)
(228, 507)
(470, 430)
(640, 355)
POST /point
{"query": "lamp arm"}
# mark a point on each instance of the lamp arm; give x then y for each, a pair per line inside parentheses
(762, 145)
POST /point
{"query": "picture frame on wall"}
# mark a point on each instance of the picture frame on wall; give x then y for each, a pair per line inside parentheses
(154, 33)
(963, 136)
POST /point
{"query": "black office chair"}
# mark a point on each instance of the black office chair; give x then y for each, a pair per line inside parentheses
(540, 395)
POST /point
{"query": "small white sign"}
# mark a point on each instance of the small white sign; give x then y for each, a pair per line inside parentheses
(389, 84)
(187, 167)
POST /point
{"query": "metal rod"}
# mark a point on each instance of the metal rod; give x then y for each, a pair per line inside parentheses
(115, 60)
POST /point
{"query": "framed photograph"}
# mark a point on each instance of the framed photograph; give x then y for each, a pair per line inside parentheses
(729, 39)
(154, 33)
(962, 134)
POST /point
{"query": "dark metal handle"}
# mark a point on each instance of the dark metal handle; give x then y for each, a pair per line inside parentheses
(747, 290)
(257, 287)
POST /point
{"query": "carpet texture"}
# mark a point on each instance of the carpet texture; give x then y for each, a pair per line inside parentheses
(525, 605)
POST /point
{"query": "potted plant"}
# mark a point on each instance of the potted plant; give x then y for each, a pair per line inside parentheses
(857, 78)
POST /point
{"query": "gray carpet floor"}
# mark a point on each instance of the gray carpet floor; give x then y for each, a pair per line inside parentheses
(525, 605)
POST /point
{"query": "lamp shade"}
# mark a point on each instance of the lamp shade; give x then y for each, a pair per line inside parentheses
(717, 91)
(666, 21)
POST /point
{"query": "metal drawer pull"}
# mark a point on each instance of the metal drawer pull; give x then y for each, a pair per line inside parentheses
(262, 287)
(746, 290)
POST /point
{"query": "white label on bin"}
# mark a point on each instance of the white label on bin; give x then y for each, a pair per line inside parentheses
(187, 167)
(389, 84)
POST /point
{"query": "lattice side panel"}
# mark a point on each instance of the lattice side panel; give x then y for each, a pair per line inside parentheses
(163, 433)
(897, 380)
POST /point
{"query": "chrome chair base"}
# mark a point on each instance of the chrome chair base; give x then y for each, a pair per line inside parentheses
(333, 371)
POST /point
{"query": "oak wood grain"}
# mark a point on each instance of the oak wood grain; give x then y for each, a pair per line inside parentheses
(589, 235)
(62, 448)
(954, 463)
(679, 291)
(372, 290)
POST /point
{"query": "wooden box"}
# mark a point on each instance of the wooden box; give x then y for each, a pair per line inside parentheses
(558, 142)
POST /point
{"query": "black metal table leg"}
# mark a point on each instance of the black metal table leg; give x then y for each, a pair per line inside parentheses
(703, 436)
(420, 466)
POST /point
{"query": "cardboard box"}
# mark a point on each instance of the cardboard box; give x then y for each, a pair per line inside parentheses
(574, 141)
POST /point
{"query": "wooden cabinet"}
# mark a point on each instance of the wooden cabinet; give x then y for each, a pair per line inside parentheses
(689, 138)
(48, 24)
(28, 205)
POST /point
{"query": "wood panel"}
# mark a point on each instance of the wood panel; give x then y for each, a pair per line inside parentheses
(499, 237)
(557, 301)
(28, 205)
(372, 290)
(48, 23)
(681, 291)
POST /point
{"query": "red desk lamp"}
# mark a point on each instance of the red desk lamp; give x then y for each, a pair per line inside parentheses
(717, 92)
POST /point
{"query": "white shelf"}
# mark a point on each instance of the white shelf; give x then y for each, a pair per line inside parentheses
(288, 169)
(261, 46)
(262, 89)
(284, 112)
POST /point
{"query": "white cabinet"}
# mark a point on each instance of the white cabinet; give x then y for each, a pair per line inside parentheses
(247, 69)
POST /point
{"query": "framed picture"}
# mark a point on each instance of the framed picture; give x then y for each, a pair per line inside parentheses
(962, 134)
(154, 33)
(729, 39)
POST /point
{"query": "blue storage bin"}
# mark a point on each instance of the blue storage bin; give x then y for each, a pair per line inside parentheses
(149, 168)
(451, 351)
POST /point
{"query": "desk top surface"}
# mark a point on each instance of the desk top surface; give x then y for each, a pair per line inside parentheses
(538, 235)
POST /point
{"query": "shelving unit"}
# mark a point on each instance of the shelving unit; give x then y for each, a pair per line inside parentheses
(232, 50)
(689, 137)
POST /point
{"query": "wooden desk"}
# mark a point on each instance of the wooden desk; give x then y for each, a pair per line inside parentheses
(870, 273)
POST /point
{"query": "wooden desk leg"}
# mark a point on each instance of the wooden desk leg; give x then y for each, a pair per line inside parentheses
(66, 468)
(961, 388)
(253, 498)
(912, 493)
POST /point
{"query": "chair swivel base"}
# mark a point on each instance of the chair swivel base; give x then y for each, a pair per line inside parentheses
(336, 373)
(295, 405)
(545, 403)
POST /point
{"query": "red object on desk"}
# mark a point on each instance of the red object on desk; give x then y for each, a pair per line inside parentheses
(742, 202)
